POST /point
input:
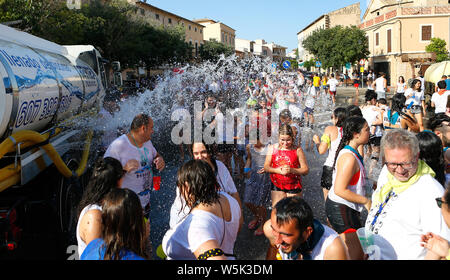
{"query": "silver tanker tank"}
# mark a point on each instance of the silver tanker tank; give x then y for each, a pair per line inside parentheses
(42, 83)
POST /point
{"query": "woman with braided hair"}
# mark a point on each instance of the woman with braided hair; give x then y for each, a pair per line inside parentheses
(346, 198)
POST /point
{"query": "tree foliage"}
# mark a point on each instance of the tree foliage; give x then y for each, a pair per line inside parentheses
(110, 26)
(338, 45)
(439, 47)
(211, 50)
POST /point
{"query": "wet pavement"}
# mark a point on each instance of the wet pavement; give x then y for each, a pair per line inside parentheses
(248, 246)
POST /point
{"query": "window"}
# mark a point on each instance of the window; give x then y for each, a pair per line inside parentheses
(142, 12)
(201, 31)
(170, 21)
(195, 29)
(426, 32)
(157, 16)
(189, 27)
(389, 40)
(377, 39)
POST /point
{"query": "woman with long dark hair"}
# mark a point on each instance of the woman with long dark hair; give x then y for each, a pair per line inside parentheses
(329, 142)
(205, 152)
(124, 233)
(415, 101)
(210, 229)
(107, 175)
(346, 198)
(431, 152)
(398, 117)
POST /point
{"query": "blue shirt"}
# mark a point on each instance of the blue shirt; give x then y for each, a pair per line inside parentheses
(95, 251)
(448, 84)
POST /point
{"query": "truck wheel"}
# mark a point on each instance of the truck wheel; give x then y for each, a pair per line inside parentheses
(69, 192)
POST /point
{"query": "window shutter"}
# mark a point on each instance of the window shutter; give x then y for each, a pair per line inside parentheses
(426, 33)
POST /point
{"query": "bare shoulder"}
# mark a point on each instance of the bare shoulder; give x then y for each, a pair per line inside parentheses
(336, 250)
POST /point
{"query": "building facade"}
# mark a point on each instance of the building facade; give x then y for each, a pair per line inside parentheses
(347, 16)
(260, 47)
(399, 31)
(158, 17)
(213, 30)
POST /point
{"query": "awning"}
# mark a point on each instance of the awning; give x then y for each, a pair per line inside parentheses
(435, 72)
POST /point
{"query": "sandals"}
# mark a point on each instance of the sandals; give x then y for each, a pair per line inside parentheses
(253, 224)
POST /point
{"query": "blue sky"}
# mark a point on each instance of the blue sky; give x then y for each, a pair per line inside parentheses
(276, 21)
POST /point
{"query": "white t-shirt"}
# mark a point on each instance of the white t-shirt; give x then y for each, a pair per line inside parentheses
(408, 215)
(310, 97)
(333, 84)
(226, 185)
(81, 244)
(440, 101)
(415, 96)
(370, 114)
(180, 242)
(140, 181)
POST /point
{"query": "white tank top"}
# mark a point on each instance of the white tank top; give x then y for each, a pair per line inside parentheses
(333, 148)
(81, 244)
(318, 252)
(358, 188)
(379, 84)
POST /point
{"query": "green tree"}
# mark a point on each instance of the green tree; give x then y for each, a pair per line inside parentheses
(439, 47)
(211, 50)
(309, 63)
(338, 45)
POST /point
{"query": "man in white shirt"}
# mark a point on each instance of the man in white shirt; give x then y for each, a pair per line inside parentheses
(136, 153)
(403, 205)
(381, 86)
(309, 104)
(333, 83)
(439, 98)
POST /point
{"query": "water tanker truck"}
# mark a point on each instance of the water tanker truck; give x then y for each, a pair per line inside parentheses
(45, 88)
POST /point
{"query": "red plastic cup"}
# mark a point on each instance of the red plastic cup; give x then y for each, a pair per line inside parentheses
(156, 183)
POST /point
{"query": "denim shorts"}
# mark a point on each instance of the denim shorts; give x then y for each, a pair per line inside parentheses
(416, 109)
(342, 217)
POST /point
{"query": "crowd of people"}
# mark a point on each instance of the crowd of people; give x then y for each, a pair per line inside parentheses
(403, 189)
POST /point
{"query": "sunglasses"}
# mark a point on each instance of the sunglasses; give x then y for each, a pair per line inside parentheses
(439, 202)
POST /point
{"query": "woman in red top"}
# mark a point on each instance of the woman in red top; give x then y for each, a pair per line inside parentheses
(286, 163)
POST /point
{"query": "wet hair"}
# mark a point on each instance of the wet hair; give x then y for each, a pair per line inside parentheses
(414, 82)
(286, 129)
(382, 101)
(437, 121)
(353, 110)
(399, 138)
(294, 209)
(370, 94)
(202, 185)
(285, 114)
(210, 149)
(432, 153)
(105, 177)
(442, 84)
(139, 121)
(340, 113)
(398, 102)
(352, 125)
(123, 224)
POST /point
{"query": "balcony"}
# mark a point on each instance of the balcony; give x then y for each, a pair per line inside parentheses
(406, 11)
